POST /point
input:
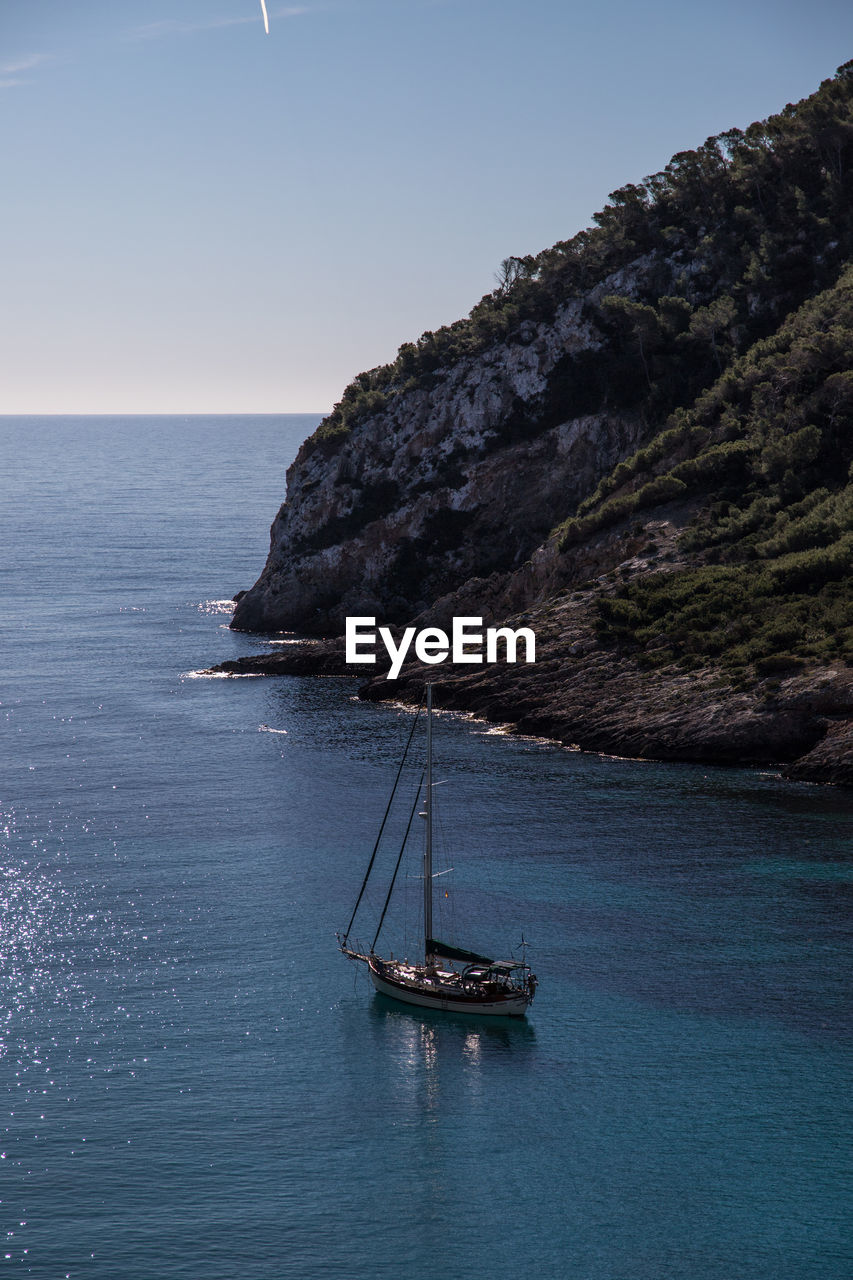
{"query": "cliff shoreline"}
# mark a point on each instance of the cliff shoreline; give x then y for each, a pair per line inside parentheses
(600, 702)
(641, 445)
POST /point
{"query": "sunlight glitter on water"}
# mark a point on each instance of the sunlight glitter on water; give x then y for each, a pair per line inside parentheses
(215, 606)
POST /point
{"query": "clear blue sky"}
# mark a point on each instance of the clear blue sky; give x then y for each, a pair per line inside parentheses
(197, 217)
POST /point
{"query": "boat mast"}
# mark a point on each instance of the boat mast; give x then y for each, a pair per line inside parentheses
(428, 956)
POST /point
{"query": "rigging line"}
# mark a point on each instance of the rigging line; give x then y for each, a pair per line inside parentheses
(399, 860)
(382, 826)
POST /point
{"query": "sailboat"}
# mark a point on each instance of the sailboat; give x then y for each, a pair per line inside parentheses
(449, 977)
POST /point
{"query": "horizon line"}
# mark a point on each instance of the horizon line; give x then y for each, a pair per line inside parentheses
(180, 413)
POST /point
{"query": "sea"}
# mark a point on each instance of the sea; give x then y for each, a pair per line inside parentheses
(196, 1085)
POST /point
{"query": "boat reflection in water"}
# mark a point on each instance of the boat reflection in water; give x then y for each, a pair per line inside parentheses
(450, 978)
(437, 1055)
(477, 1038)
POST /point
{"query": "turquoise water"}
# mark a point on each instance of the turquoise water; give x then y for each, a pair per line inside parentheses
(196, 1084)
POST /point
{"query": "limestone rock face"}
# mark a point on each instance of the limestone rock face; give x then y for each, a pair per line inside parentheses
(698, 335)
(444, 484)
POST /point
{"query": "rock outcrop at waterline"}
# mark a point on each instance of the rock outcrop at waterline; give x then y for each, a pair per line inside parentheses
(585, 696)
(643, 438)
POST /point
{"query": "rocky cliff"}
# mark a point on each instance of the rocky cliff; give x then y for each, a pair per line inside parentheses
(448, 481)
(642, 440)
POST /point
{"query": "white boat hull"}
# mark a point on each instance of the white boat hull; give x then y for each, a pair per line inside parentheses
(512, 1006)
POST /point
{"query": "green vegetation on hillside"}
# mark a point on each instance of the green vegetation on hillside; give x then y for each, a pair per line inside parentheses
(731, 238)
(768, 453)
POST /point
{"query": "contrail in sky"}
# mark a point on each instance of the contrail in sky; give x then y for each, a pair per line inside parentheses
(266, 19)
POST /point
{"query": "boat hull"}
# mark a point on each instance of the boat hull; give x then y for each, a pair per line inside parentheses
(507, 1006)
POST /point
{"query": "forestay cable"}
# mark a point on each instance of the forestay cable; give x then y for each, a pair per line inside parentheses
(399, 860)
(382, 828)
